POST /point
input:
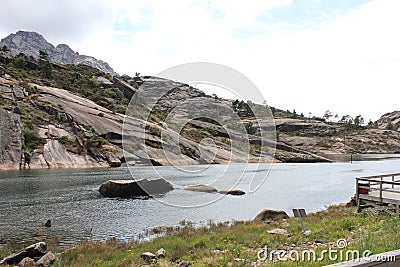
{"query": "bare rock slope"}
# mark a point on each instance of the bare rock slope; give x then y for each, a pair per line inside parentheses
(10, 140)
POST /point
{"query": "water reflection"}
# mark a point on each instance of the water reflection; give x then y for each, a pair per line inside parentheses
(71, 200)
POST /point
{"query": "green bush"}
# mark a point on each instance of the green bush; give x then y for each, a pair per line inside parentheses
(31, 138)
(93, 83)
(19, 62)
(46, 69)
(96, 141)
(65, 139)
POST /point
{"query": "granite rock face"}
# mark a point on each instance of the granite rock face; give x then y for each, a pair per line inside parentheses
(390, 121)
(10, 140)
(30, 43)
(55, 156)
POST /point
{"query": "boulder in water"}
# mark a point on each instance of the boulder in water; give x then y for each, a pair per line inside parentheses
(201, 188)
(234, 192)
(135, 188)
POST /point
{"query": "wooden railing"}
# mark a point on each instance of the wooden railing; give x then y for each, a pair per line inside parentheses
(379, 187)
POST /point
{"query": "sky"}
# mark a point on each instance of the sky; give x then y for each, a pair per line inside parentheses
(307, 55)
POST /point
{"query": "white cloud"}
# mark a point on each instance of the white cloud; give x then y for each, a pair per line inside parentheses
(59, 21)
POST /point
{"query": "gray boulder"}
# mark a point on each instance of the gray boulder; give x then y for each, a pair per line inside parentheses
(33, 251)
(234, 192)
(148, 257)
(161, 253)
(46, 260)
(113, 160)
(201, 188)
(27, 262)
(268, 214)
(134, 188)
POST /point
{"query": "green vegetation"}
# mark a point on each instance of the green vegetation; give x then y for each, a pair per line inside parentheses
(96, 141)
(43, 55)
(29, 119)
(250, 128)
(20, 62)
(220, 244)
(30, 137)
(390, 126)
(79, 79)
(66, 140)
(158, 115)
(46, 69)
(153, 130)
(4, 48)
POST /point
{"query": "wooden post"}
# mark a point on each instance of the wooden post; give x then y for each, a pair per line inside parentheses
(358, 197)
(392, 181)
(380, 190)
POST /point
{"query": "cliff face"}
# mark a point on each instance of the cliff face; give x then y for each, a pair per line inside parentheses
(30, 43)
(10, 140)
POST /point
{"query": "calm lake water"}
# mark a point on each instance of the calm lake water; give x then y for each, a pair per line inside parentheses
(71, 200)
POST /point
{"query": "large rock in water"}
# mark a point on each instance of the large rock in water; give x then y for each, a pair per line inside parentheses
(267, 214)
(201, 188)
(234, 192)
(134, 188)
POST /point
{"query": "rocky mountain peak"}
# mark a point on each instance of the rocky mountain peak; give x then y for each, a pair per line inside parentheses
(30, 43)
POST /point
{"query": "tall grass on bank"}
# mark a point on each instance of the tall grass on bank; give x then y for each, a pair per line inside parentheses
(239, 244)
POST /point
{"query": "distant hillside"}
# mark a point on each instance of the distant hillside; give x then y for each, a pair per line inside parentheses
(30, 43)
(71, 116)
(390, 121)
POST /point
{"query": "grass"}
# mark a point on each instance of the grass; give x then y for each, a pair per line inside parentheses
(224, 244)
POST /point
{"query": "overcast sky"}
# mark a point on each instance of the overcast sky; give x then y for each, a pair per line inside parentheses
(309, 55)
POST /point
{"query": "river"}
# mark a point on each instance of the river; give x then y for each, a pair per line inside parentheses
(71, 200)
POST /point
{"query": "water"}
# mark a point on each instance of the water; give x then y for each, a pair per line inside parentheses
(71, 200)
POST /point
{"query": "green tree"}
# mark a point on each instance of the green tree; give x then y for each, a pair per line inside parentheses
(328, 115)
(30, 137)
(235, 105)
(250, 128)
(358, 120)
(46, 69)
(20, 61)
(346, 119)
(294, 114)
(4, 48)
(43, 55)
(45, 66)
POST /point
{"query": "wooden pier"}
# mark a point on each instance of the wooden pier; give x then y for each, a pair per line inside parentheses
(381, 191)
